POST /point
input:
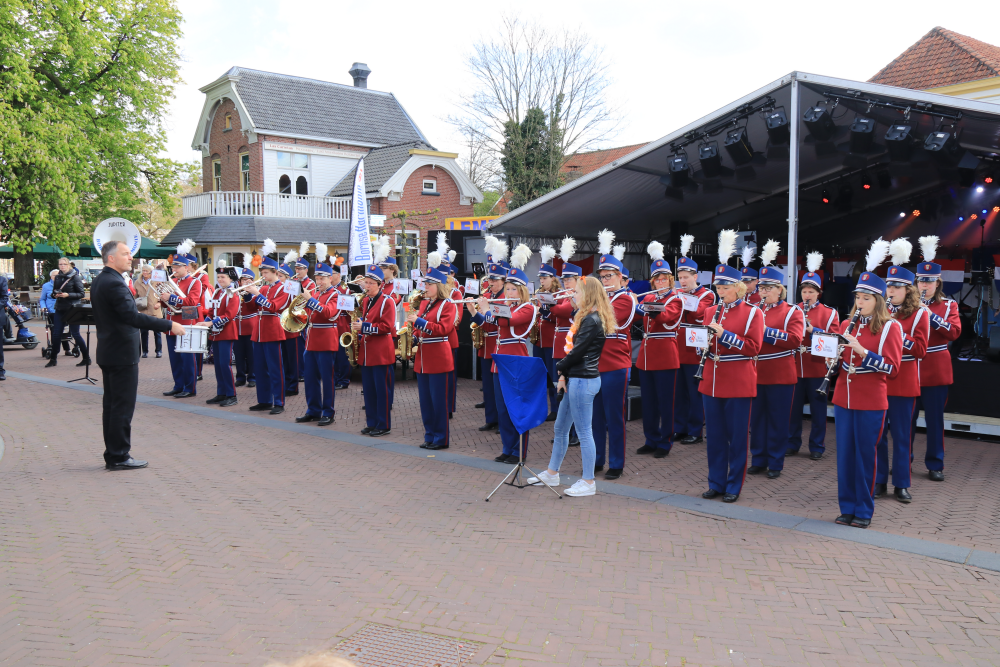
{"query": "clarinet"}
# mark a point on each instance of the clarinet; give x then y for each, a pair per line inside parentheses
(704, 355)
(840, 348)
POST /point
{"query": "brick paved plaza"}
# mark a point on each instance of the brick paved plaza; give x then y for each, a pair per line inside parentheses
(243, 543)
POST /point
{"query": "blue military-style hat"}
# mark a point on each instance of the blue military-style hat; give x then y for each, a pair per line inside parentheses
(868, 281)
(770, 275)
(927, 270)
(750, 273)
(372, 271)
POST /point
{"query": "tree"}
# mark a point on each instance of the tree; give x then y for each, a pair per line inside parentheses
(531, 156)
(154, 222)
(84, 85)
(489, 204)
(525, 68)
(480, 163)
(411, 251)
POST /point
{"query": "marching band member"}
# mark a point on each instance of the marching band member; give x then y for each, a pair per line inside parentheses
(751, 279)
(301, 276)
(776, 378)
(243, 347)
(206, 296)
(512, 339)
(564, 310)
(729, 382)
(455, 295)
(376, 353)
(432, 322)
(870, 358)
(290, 346)
(321, 343)
(496, 275)
(689, 410)
(546, 325)
(341, 362)
(268, 301)
(935, 368)
(223, 312)
(616, 363)
(657, 363)
(391, 272)
(903, 302)
(182, 365)
(809, 368)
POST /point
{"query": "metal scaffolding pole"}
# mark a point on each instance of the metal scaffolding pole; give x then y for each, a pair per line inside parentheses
(793, 193)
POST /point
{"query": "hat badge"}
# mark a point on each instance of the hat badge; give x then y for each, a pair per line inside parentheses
(927, 267)
(864, 278)
(720, 269)
(893, 270)
(659, 263)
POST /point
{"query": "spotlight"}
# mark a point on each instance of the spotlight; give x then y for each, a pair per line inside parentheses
(678, 168)
(884, 180)
(942, 144)
(819, 123)
(899, 141)
(996, 209)
(988, 179)
(902, 214)
(916, 213)
(738, 146)
(862, 134)
(711, 163)
(973, 216)
(825, 196)
(866, 181)
(985, 211)
(777, 126)
(961, 219)
(979, 189)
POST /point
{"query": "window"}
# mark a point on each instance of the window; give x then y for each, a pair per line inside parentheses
(285, 185)
(245, 171)
(217, 175)
(229, 122)
(430, 185)
(301, 186)
(293, 160)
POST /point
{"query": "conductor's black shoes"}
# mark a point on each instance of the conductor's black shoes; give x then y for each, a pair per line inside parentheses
(903, 495)
(277, 410)
(936, 475)
(861, 523)
(172, 392)
(434, 447)
(613, 473)
(879, 491)
(730, 497)
(492, 426)
(646, 449)
(500, 459)
(260, 407)
(791, 452)
(753, 470)
(230, 400)
(291, 392)
(711, 493)
(306, 418)
(129, 464)
(240, 383)
(552, 416)
(844, 519)
(690, 439)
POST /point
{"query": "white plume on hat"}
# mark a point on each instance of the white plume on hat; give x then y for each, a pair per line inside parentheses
(303, 248)
(321, 253)
(687, 241)
(452, 254)
(248, 261)
(900, 250)
(380, 250)
(433, 260)
(291, 257)
(928, 247)
(546, 252)
(442, 246)
(185, 246)
(519, 258)
(568, 248)
(221, 264)
(876, 254)
(268, 248)
(605, 238)
(770, 252)
(655, 250)
(727, 245)
(491, 244)
(619, 252)
(500, 251)
(748, 252)
(814, 260)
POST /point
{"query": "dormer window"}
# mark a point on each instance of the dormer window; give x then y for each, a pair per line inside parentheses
(229, 122)
(430, 186)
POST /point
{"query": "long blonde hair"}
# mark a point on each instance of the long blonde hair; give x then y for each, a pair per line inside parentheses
(595, 299)
(880, 316)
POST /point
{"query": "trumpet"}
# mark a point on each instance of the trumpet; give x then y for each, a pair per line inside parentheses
(236, 290)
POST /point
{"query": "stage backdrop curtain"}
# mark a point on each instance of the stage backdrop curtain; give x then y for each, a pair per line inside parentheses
(524, 382)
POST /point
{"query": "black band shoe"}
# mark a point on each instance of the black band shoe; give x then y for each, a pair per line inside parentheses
(492, 426)
(773, 474)
(753, 470)
(711, 493)
(129, 464)
(815, 456)
(690, 439)
(277, 410)
(661, 453)
(230, 401)
(844, 519)
(936, 475)
(646, 449)
(613, 473)
(730, 497)
(861, 523)
(172, 392)
(260, 407)
(306, 418)
(481, 404)
(325, 421)
(903, 495)
(879, 491)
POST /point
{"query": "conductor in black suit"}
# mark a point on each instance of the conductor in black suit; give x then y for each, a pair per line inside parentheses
(112, 296)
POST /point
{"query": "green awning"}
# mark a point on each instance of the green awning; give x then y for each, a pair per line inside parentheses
(148, 249)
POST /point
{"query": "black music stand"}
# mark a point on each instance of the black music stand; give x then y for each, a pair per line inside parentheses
(82, 314)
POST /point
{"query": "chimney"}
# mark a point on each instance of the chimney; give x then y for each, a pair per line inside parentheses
(360, 73)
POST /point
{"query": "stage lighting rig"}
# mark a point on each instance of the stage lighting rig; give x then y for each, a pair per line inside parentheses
(825, 196)
(778, 130)
(899, 141)
(679, 170)
(819, 123)
(711, 161)
(942, 145)
(738, 146)
(862, 134)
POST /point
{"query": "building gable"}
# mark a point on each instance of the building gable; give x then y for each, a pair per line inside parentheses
(941, 58)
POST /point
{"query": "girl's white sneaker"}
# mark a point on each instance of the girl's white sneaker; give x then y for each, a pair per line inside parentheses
(544, 476)
(581, 488)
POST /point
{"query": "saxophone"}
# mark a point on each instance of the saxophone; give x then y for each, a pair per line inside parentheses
(406, 348)
(349, 340)
(478, 337)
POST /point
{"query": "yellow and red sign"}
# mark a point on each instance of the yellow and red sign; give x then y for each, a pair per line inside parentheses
(468, 224)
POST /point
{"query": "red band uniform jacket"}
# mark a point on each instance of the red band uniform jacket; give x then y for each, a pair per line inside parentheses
(431, 331)
(824, 319)
(730, 371)
(268, 304)
(784, 325)
(658, 351)
(864, 381)
(324, 332)
(223, 311)
(562, 311)
(377, 329)
(935, 368)
(547, 327)
(456, 295)
(249, 317)
(289, 334)
(192, 288)
(513, 332)
(706, 299)
(491, 331)
(617, 353)
(916, 333)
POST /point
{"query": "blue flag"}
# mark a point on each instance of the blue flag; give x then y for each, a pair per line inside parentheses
(524, 382)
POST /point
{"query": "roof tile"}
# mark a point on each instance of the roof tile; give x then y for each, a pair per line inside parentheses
(941, 58)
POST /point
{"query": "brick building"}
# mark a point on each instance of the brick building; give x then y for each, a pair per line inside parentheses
(279, 154)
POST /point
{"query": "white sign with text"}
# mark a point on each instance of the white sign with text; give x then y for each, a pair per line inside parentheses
(690, 302)
(825, 345)
(696, 337)
(346, 302)
(471, 286)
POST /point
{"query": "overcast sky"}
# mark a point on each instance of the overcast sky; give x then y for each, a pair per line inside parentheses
(672, 62)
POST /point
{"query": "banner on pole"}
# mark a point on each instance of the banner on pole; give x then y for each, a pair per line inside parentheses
(360, 250)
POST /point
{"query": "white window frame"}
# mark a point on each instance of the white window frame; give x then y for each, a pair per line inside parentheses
(217, 175)
(425, 181)
(244, 175)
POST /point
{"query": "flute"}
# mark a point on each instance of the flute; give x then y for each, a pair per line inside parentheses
(490, 300)
(654, 291)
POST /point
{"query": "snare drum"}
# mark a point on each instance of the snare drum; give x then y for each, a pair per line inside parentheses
(194, 340)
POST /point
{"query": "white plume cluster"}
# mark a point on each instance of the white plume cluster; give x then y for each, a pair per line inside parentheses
(727, 245)
(500, 251)
(876, 254)
(442, 245)
(248, 261)
(291, 257)
(655, 250)
(304, 248)
(519, 258)
(491, 244)
(619, 252)
(452, 254)
(928, 247)
(900, 250)
(222, 264)
(770, 252)
(748, 252)
(380, 250)
(546, 252)
(433, 260)
(814, 260)
(568, 248)
(185, 246)
(605, 238)
(269, 248)
(687, 240)
(321, 253)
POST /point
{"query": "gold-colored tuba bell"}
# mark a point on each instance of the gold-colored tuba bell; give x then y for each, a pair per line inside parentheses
(295, 318)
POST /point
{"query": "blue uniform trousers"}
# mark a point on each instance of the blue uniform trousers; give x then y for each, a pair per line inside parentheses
(243, 352)
(301, 345)
(658, 389)
(769, 425)
(183, 367)
(900, 421)
(290, 362)
(727, 430)
(858, 433)
(376, 382)
(270, 371)
(433, 389)
(225, 385)
(341, 367)
(509, 436)
(689, 410)
(319, 383)
(453, 390)
(489, 393)
(932, 401)
(805, 391)
(545, 354)
(608, 422)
